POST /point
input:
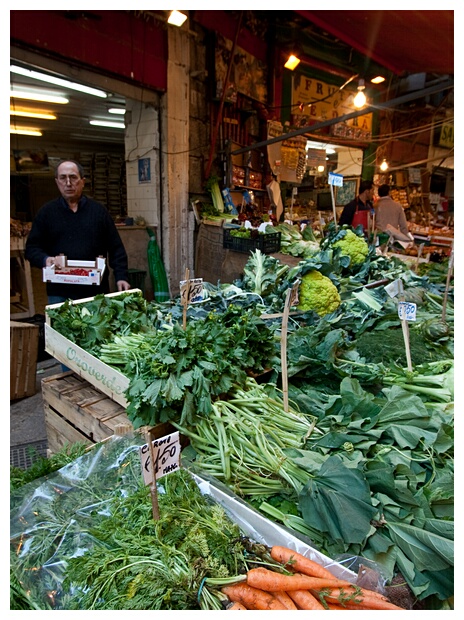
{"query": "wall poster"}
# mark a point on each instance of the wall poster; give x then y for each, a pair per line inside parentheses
(347, 192)
(247, 75)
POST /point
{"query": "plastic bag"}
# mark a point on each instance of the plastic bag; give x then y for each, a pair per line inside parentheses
(156, 268)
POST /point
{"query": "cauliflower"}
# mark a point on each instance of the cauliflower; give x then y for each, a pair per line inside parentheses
(318, 293)
(353, 246)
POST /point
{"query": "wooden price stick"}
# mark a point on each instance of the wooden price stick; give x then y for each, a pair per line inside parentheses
(405, 328)
(283, 349)
(291, 299)
(153, 489)
(419, 254)
(333, 206)
(448, 280)
(185, 302)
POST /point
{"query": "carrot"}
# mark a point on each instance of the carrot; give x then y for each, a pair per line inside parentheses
(297, 562)
(355, 597)
(251, 598)
(236, 606)
(305, 600)
(270, 581)
(284, 598)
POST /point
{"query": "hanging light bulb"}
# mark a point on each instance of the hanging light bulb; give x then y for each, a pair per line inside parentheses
(360, 99)
(384, 165)
(292, 62)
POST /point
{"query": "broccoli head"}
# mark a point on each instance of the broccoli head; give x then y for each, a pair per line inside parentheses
(318, 293)
(353, 246)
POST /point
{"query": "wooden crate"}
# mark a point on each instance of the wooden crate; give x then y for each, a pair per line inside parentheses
(76, 411)
(105, 378)
(24, 347)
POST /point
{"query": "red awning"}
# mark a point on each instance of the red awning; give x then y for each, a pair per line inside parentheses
(401, 41)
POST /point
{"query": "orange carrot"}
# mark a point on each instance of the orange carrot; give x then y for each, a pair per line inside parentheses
(236, 606)
(269, 581)
(354, 597)
(251, 598)
(298, 563)
(305, 600)
(284, 598)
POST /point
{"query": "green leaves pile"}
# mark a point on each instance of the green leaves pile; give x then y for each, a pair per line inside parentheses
(176, 374)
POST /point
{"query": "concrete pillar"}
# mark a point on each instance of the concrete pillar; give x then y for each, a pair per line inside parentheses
(177, 234)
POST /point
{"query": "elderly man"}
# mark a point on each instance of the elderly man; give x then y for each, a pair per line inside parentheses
(81, 229)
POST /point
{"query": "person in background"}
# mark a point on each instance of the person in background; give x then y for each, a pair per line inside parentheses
(389, 212)
(81, 229)
(362, 202)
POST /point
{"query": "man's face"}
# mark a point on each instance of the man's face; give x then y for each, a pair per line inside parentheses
(69, 181)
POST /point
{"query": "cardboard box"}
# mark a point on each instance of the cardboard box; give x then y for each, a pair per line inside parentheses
(24, 347)
(105, 378)
(67, 271)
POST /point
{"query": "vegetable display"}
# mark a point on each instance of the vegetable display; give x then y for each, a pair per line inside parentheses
(362, 462)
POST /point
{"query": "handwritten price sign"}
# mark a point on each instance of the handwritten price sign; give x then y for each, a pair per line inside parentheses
(166, 456)
(195, 290)
(407, 311)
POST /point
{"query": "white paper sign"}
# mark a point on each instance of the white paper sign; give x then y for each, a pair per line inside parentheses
(407, 311)
(393, 288)
(335, 179)
(166, 454)
(195, 292)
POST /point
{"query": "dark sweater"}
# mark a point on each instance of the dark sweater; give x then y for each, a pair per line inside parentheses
(350, 209)
(83, 235)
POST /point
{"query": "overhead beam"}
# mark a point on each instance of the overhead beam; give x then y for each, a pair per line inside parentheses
(431, 90)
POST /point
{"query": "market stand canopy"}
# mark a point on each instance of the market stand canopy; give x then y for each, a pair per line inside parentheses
(401, 41)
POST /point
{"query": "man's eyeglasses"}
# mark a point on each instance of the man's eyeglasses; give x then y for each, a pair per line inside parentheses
(72, 178)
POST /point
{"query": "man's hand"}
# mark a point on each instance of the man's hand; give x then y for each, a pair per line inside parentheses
(123, 285)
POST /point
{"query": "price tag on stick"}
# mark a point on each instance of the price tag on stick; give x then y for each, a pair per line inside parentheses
(404, 322)
(291, 299)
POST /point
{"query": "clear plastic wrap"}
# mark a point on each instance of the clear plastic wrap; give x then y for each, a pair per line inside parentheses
(51, 518)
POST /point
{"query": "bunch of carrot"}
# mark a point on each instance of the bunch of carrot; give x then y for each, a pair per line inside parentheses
(306, 585)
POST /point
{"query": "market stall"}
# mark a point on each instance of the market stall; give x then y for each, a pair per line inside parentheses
(318, 396)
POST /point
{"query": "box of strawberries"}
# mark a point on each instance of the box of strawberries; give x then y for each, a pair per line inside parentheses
(75, 271)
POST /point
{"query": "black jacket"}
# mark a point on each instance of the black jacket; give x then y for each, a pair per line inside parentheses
(82, 235)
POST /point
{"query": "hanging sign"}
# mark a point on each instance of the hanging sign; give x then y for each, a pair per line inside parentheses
(335, 179)
(166, 456)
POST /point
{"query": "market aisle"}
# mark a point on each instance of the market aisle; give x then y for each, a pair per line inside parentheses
(27, 420)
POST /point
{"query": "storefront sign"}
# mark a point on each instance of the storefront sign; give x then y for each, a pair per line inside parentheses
(447, 136)
(320, 102)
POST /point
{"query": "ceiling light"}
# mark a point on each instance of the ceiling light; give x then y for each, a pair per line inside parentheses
(292, 62)
(30, 114)
(360, 100)
(58, 81)
(36, 96)
(384, 165)
(320, 168)
(108, 124)
(25, 131)
(116, 110)
(177, 18)
(378, 80)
